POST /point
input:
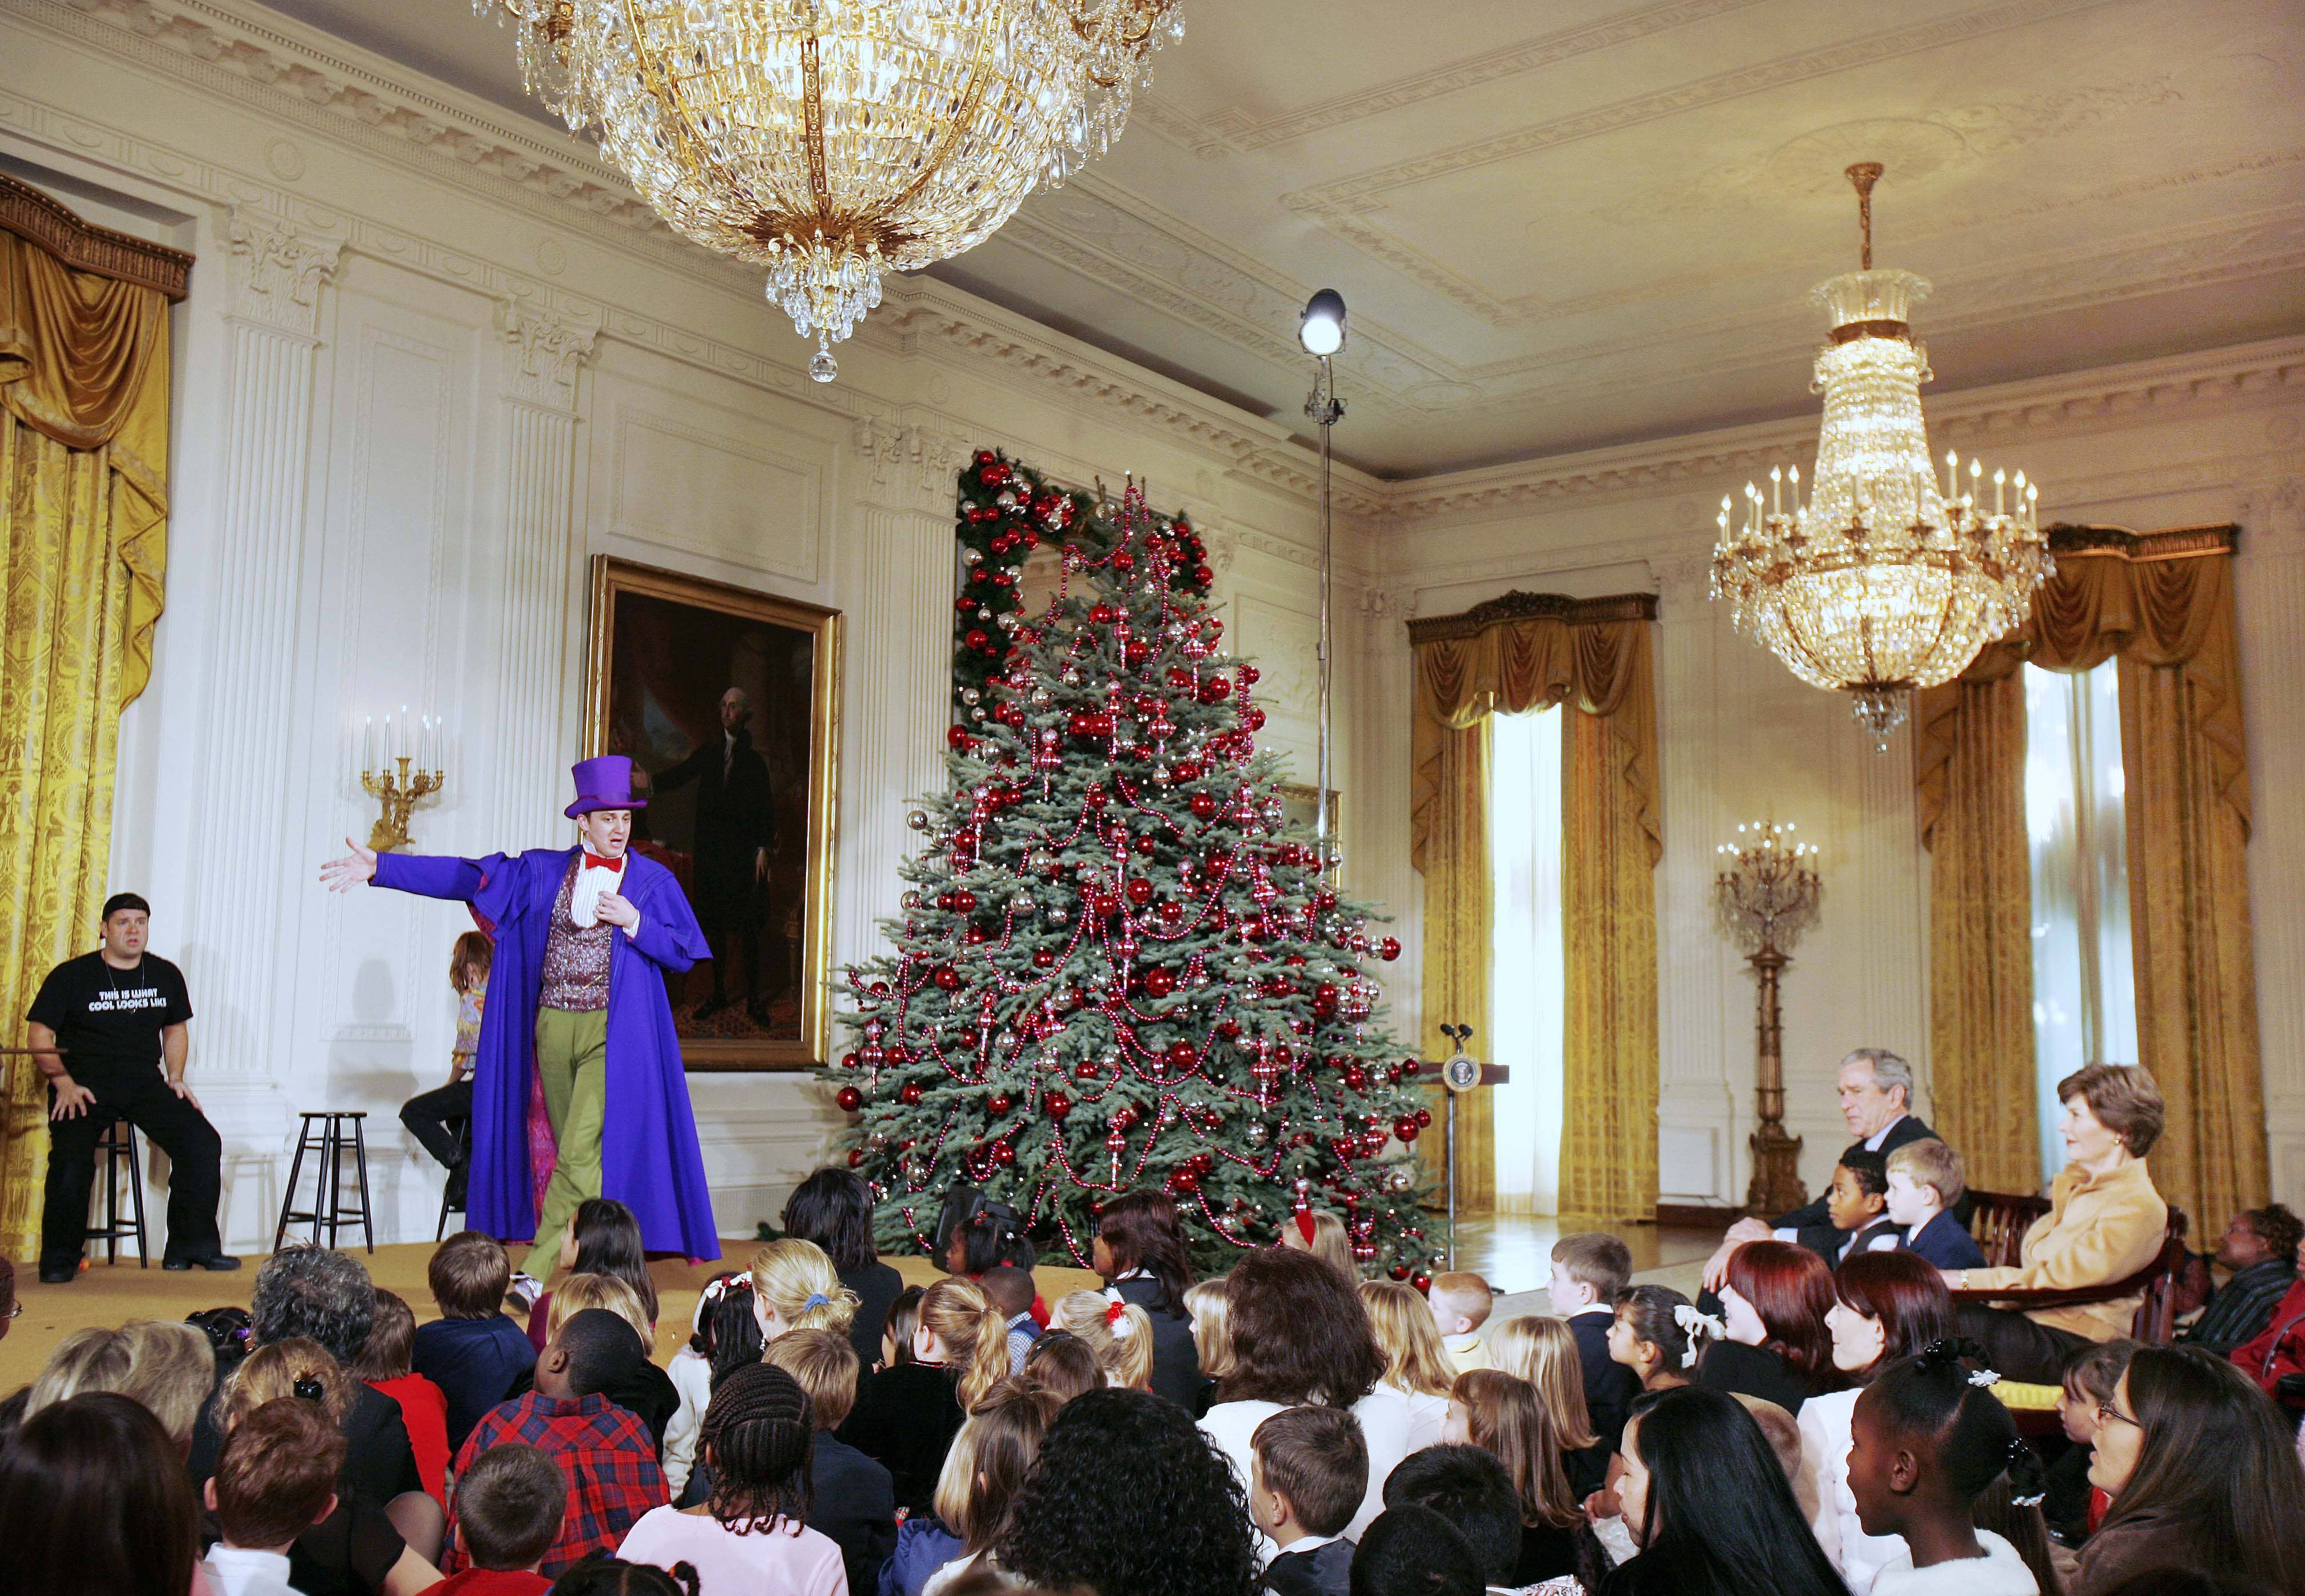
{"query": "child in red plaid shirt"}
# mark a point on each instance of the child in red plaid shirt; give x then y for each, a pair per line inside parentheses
(605, 1452)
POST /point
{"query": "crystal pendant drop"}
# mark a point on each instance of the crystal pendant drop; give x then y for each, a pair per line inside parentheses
(821, 366)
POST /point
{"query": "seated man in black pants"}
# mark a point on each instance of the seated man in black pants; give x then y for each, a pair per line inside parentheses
(440, 1118)
(108, 1030)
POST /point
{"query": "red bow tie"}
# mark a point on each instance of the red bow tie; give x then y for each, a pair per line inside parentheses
(594, 861)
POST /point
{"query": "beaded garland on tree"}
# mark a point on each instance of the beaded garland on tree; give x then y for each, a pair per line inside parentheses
(1007, 510)
(1116, 966)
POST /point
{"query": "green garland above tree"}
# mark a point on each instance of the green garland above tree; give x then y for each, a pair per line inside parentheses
(1007, 510)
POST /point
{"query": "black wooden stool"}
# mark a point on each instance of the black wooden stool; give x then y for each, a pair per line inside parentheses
(465, 1146)
(118, 1146)
(330, 1139)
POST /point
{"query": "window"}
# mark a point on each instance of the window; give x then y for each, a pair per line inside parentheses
(2084, 992)
(1526, 972)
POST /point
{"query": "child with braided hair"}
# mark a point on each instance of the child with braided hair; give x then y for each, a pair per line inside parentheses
(752, 1534)
(1927, 1440)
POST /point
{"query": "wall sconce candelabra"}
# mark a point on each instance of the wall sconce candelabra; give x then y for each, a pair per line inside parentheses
(401, 761)
(1767, 893)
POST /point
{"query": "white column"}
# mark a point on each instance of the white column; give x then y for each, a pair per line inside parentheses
(544, 352)
(1705, 1077)
(278, 270)
(899, 656)
(2269, 593)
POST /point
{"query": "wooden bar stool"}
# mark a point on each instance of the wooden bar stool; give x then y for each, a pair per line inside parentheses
(116, 1147)
(336, 1131)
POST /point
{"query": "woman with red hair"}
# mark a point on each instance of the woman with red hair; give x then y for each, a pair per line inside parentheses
(1886, 1306)
(1774, 1344)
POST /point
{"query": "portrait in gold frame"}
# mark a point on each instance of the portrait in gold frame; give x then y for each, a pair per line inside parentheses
(744, 815)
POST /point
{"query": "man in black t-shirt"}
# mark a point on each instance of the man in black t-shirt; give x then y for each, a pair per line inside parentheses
(108, 1030)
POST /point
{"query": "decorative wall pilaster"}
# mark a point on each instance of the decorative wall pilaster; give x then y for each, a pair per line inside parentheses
(2269, 594)
(900, 658)
(278, 270)
(544, 352)
(1704, 1101)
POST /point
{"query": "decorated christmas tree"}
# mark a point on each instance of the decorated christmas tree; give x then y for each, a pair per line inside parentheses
(1116, 966)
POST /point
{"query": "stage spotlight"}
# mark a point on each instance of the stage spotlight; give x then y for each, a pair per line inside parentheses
(1322, 330)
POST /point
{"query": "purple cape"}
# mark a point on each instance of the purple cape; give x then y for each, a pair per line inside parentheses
(649, 1157)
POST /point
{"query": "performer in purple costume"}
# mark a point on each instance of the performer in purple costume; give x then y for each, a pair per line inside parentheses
(583, 936)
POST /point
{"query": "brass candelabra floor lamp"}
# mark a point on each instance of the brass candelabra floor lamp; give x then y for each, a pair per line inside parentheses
(1767, 894)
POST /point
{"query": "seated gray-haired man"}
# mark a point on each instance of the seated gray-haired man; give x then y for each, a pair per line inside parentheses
(1877, 1101)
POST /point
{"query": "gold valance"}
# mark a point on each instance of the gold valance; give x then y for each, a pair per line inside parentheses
(84, 246)
(1523, 651)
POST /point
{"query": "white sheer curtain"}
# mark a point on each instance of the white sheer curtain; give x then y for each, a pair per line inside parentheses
(1525, 958)
(2084, 986)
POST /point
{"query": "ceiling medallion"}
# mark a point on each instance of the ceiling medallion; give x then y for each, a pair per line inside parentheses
(829, 140)
(1889, 578)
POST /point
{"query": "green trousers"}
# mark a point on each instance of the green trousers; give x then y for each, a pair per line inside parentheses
(571, 1061)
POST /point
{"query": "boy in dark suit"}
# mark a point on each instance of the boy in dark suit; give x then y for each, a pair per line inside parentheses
(1924, 1181)
(1589, 1268)
(1857, 1202)
(855, 1498)
(1308, 1472)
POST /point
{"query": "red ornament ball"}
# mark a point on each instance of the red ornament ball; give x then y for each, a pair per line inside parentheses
(1406, 1127)
(1139, 892)
(956, 736)
(1002, 1153)
(910, 1092)
(1057, 1104)
(856, 1157)
(947, 978)
(1399, 1271)
(1422, 1282)
(1181, 1053)
(1204, 806)
(1423, 1118)
(1159, 982)
(849, 1099)
(1389, 949)
(998, 1104)
(1411, 1067)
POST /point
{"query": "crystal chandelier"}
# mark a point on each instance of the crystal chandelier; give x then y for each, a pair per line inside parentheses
(831, 139)
(1890, 578)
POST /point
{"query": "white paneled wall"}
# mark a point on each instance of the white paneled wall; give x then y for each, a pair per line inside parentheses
(429, 368)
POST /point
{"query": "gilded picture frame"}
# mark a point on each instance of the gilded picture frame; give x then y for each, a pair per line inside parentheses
(728, 702)
(1298, 809)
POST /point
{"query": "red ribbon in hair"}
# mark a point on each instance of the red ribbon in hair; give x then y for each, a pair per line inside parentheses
(1305, 1225)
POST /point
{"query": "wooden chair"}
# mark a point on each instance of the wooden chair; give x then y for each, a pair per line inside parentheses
(1998, 1220)
(2154, 1284)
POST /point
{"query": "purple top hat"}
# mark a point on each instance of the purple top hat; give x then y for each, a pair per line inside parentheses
(603, 783)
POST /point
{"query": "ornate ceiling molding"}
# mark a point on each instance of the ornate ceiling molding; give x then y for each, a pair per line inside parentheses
(1234, 130)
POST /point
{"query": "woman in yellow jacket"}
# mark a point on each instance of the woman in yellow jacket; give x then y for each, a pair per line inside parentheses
(2104, 1223)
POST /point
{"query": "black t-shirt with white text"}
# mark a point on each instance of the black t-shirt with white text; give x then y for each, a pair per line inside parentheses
(107, 1021)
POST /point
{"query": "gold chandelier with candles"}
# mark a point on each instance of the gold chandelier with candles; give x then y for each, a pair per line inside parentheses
(829, 140)
(1890, 577)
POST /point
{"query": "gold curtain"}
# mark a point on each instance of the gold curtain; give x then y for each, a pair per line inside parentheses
(84, 505)
(2161, 603)
(1517, 653)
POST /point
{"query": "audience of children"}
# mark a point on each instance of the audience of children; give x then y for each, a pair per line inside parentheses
(833, 1208)
(1139, 1251)
(1503, 1415)
(509, 1507)
(603, 1451)
(1416, 1367)
(907, 1414)
(1308, 1473)
(1926, 1184)
(1340, 1448)
(474, 1352)
(385, 1363)
(604, 1238)
(1460, 1303)
(1544, 1352)
(753, 1534)
(1925, 1440)
(1589, 1268)
(1009, 1290)
(1117, 1330)
(1886, 1306)
(854, 1498)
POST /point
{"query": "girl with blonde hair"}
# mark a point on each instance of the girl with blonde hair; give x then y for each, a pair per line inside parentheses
(1119, 1333)
(1542, 1351)
(1323, 1234)
(1416, 1366)
(1505, 1416)
(989, 1458)
(906, 1415)
(579, 1291)
(796, 1287)
(297, 1367)
(1209, 1303)
(167, 1368)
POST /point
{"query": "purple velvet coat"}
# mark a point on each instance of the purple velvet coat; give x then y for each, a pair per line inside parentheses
(649, 1157)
